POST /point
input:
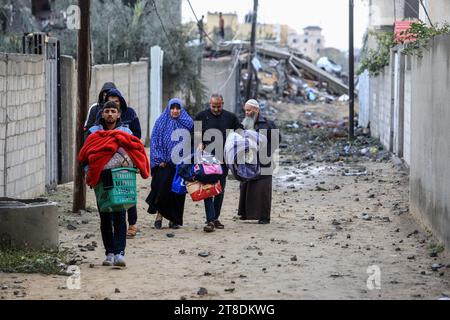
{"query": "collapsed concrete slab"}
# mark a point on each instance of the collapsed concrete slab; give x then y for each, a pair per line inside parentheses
(335, 85)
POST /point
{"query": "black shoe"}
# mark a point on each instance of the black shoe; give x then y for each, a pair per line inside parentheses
(209, 227)
(158, 224)
(218, 225)
(174, 226)
(264, 222)
(242, 218)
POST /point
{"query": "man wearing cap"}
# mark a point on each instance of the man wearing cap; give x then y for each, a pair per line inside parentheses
(255, 201)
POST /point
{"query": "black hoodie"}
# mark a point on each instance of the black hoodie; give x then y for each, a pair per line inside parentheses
(97, 107)
(129, 117)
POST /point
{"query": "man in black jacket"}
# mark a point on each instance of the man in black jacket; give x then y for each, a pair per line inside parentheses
(219, 119)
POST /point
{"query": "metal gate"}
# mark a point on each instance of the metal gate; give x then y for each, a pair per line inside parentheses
(40, 43)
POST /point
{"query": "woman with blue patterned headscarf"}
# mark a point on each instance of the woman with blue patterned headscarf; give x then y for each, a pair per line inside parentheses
(161, 199)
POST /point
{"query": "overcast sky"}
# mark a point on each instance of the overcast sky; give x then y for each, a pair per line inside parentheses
(331, 15)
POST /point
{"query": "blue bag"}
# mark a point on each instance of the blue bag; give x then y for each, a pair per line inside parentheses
(178, 184)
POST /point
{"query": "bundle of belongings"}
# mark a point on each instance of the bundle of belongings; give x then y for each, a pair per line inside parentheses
(106, 150)
(200, 178)
(241, 154)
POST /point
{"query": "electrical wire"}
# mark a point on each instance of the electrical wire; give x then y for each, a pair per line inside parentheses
(231, 72)
(413, 9)
(426, 12)
(162, 25)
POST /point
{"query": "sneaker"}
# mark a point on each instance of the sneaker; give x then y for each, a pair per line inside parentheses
(264, 222)
(209, 227)
(119, 260)
(218, 225)
(109, 261)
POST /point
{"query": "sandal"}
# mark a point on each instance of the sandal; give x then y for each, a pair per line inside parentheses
(132, 231)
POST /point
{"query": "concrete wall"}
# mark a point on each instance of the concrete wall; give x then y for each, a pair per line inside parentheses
(386, 105)
(430, 136)
(219, 76)
(380, 107)
(68, 117)
(22, 125)
(132, 81)
(410, 98)
(408, 103)
(438, 10)
(385, 12)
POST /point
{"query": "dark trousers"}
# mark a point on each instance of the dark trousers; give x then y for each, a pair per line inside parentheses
(214, 205)
(114, 231)
(132, 216)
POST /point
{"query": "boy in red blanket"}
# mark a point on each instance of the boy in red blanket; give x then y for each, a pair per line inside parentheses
(104, 140)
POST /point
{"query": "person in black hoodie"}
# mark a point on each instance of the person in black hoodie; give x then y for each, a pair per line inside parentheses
(129, 119)
(96, 108)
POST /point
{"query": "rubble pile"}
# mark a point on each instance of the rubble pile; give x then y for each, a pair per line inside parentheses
(328, 142)
(286, 75)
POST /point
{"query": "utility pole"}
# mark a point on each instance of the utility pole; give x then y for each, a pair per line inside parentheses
(351, 73)
(252, 49)
(79, 188)
(200, 26)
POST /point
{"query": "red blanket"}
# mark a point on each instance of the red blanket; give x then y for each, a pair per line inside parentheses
(101, 146)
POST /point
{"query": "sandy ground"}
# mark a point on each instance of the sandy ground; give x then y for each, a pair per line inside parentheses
(317, 247)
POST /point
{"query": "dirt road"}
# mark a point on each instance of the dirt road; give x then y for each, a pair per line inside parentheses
(319, 245)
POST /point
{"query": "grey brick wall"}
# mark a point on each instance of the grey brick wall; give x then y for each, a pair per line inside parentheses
(22, 126)
(131, 80)
(68, 117)
(408, 102)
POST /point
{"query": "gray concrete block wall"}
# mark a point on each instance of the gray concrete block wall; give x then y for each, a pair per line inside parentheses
(3, 111)
(430, 136)
(22, 126)
(217, 79)
(385, 113)
(408, 102)
(364, 99)
(374, 106)
(131, 80)
(68, 117)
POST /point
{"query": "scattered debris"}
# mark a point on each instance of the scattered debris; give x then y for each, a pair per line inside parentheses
(202, 291)
(203, 254)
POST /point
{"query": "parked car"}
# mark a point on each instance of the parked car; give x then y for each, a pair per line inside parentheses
(329, 66)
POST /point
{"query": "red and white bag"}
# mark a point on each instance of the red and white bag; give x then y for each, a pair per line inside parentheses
(201, 191)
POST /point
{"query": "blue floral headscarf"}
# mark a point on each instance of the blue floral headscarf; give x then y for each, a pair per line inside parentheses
(161, 143)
